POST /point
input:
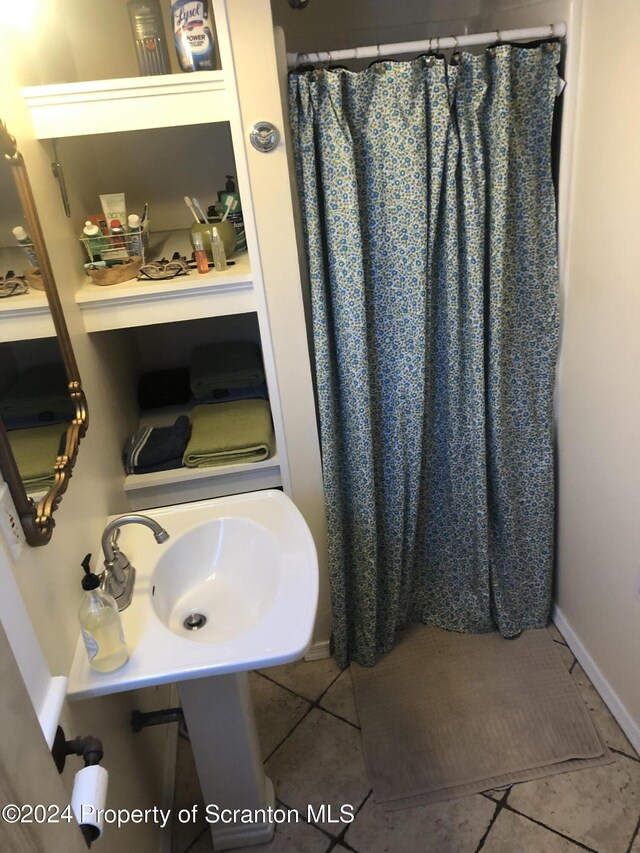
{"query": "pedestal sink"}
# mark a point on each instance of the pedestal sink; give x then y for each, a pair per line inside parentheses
(235, 588)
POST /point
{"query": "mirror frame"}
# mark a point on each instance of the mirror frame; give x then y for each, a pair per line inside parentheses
(37, 520)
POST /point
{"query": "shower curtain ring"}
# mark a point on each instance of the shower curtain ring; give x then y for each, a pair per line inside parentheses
(455, 56)
(378, 66)
(428, 60)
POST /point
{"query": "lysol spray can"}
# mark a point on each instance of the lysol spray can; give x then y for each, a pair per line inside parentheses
(192, 32)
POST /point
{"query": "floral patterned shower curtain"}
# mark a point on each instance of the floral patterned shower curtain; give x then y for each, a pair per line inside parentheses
(430, 222)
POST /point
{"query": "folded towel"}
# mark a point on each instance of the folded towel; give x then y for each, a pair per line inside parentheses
(237, 364)
(35, 451)
(164, 388)
(230, 433)
(228, 395)
(157, 448)
(40, 389)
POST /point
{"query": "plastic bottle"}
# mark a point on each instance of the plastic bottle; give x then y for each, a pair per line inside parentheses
(94, 241)
(25, 241)
(100, 624)
(217, 250)
(118, 240)
(148, 34)
(199, 253)
(135, 229)
(192, 34)
(234, 215)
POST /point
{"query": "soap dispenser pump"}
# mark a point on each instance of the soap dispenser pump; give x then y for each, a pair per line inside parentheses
(100, 623)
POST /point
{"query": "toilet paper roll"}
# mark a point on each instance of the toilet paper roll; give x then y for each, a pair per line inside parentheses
(89, 796)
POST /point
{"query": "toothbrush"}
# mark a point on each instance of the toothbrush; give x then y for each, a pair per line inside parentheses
(196, 204)
(189, 204)
(231, 203)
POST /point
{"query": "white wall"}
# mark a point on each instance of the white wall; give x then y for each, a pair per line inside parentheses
(598, 589)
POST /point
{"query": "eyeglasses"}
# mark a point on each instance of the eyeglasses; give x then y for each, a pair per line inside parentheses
(159, 270)
(12, 285)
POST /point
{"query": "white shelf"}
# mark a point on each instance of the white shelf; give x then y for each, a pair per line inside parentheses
(132, 103)
(24, 317)
(180, 485)
(178, 477)
(146, 303)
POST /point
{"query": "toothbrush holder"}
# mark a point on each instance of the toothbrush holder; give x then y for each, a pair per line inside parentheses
(226, 231)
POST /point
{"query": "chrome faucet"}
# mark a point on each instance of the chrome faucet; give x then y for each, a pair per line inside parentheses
(119, 575)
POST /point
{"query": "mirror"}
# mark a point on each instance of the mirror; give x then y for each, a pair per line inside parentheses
(43, 410)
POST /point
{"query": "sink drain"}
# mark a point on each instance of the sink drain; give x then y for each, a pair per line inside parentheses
(195, 621)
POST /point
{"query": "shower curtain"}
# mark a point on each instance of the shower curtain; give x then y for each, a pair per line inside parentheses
(429, 216)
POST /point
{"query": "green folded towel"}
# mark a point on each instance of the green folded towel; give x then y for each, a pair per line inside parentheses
(228, 433)
(35, 451)
(237, 364)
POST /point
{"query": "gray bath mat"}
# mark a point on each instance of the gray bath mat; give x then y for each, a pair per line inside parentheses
(445, 715)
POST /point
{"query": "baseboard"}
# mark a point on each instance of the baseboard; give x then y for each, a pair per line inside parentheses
(318, 651)
(607, 693)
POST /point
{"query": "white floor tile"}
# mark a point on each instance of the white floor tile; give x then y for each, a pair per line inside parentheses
(512, 833)
(307, 678)
(602, 717)
(276, 711)
(452, 827)
(339, 698)
(319, 764)
(598, 806)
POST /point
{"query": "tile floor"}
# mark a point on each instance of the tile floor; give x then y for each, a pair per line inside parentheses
(310, 739)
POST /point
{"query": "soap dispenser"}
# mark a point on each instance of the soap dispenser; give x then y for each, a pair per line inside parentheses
(100, 623)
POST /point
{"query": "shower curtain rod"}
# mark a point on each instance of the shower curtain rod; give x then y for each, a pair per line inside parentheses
(376, 51)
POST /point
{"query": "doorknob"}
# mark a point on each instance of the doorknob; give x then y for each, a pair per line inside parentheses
(264, 136)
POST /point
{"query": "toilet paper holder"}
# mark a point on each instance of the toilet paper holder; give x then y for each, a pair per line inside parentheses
(89, 748)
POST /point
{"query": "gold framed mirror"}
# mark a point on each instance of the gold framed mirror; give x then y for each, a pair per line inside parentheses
(43, 409)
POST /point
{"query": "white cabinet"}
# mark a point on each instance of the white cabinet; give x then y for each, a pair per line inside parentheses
(110, 135)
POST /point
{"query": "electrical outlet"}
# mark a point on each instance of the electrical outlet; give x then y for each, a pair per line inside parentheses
(10, 523)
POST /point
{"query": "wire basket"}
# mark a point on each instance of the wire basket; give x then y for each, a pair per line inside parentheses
(117, 246)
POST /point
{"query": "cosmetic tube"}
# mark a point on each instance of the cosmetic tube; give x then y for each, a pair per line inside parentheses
(113, 207)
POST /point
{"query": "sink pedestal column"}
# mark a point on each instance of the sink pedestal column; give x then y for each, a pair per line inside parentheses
(219, 716)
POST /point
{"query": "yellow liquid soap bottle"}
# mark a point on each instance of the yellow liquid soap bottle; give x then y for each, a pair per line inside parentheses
(100, 623)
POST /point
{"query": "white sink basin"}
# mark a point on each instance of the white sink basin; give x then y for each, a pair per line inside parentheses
(246, 564)
(229, 575)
